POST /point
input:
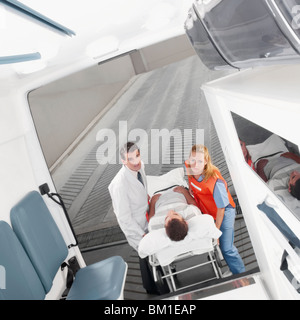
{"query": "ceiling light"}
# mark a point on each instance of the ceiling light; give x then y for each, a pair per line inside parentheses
(102, 47)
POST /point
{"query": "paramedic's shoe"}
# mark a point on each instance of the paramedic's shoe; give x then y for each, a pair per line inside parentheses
(227, 273)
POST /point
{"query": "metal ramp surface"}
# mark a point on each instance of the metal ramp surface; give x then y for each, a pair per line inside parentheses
(133, 288)
(168, 98)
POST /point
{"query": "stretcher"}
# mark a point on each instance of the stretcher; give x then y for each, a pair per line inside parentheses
(201, 240)
(168, 273)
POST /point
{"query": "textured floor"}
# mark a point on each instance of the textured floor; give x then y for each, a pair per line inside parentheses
(167, 98)
(133, 287)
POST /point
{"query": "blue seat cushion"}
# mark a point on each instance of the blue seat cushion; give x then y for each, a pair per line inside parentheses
(18, 278)
(37, 231)
(100, 281)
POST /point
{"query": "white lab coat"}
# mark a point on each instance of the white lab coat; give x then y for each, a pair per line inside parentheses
(130, 203)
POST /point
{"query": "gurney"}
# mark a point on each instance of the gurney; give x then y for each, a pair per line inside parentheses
(200, 240)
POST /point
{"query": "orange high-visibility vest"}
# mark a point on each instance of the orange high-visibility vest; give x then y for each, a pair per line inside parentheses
(203, 193)
(251, 164)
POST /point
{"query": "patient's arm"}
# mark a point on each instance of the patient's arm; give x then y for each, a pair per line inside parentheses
(262, 163)
(152, 205)
(189, 199)
(292, 156)
(260, 169)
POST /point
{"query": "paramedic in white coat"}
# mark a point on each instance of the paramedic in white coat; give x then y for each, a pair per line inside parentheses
(129, 195)
(130, 202)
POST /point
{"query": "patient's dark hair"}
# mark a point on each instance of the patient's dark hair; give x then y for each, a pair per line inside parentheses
(295, 189)
(177, 229)
(128, 147)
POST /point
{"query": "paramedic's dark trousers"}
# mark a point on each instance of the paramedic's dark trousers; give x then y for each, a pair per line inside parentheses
(147, 276)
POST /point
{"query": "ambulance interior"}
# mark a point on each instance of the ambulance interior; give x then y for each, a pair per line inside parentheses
(264, 97)
(236, 121)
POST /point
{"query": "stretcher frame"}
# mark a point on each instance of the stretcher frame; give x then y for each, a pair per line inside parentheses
(169, 271)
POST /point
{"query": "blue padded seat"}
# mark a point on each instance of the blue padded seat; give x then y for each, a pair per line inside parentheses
(103, 280)
(42, 240)
(38, 233)
(19, 280)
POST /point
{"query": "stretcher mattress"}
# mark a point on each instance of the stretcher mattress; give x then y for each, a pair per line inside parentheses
(202, 229)
(199, 239)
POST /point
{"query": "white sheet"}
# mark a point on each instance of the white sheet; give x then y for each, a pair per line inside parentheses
(173, 177)
(202, 229)
(171, 200)
(279, 184)
(273, 144)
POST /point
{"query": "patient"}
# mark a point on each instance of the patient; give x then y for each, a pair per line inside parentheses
(269, 168)
(172, 209)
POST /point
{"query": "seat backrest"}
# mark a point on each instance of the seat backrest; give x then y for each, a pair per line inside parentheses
(37, 231)
(18, 278)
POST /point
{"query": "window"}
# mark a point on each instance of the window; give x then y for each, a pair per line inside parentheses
(245, 31)
(274, 159)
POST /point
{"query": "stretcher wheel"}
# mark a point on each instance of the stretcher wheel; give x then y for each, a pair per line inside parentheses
(161, 284)
(217, 257)
(218, 261)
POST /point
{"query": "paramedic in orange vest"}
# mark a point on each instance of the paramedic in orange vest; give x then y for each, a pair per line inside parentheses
(211, 194)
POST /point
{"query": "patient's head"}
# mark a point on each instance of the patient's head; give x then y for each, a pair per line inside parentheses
(294, 184)
(176, 227)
